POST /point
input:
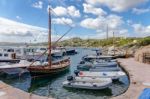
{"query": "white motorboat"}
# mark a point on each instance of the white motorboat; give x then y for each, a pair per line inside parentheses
(8, 57)
(92, 83)
(114, 75)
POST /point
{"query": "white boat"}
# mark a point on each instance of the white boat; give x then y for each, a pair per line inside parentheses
(8, 57)
(20, 52)
(57, 53)
(104, 69)
(92, 83)
(95, 57)
(114, 75)
(105, 64)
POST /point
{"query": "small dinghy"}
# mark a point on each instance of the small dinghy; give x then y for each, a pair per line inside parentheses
(94, 57)
(92, 83)
(86, 66)
(104, 69)
(114, 75)
(105, 64)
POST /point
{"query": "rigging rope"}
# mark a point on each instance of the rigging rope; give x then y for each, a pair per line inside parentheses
(52, 45)
(57, 40)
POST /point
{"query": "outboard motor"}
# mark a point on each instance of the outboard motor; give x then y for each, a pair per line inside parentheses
(70, 78)
(76, 72)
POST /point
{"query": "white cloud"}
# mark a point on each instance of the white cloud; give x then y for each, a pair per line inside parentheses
(38, 5)
(60, 11)
(91, 23)
(113, 22)
(62, 21)
(19, 30)
(71, 10)
(88, 8)
(140, 11)
(139, 28)
(18, 17)
(117, 5)
(129, 22)
(12, 31)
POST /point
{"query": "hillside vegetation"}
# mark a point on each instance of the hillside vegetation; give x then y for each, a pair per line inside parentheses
(78, 42)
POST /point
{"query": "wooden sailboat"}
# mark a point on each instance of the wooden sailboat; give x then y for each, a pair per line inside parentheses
(50, 68)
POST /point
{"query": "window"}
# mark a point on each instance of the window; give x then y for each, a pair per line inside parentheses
(0, 54)
(10, 50)
(6, 55)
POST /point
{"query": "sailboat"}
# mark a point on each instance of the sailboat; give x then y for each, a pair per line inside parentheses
(50, 67)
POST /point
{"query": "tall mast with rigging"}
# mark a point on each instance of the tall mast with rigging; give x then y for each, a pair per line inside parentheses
(49, 37)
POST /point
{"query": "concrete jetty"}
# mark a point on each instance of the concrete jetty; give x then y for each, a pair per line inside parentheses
(139, 74)
(9, 92)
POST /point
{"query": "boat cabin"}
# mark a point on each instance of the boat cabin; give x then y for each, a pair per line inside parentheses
(6, 55)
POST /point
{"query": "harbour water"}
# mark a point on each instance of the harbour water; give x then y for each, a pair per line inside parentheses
(52, 85)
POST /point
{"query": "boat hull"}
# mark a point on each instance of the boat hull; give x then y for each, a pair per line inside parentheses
(47, 70)
(88, 83)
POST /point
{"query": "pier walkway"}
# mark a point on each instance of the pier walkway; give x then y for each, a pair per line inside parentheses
(9, 92)
(139, 74)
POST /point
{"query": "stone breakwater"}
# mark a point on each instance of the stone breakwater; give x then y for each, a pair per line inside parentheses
(139, 78)
(9, 92)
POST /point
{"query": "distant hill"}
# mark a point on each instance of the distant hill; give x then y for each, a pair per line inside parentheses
(11, 44)
(78, 42)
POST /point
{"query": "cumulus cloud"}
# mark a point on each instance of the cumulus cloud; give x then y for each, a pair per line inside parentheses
(91, 23)
(12, 31)
(113, 22)
(139, 28)
(117, 5)
(38, 5)
(60, 11)
(140, 11)
(18, 17)
(16, 29)
(62, 21)
(71, 10)
(88, 8)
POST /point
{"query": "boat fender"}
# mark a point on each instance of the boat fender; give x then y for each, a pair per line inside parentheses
(81, 73)
(70, 78)
(76, 72)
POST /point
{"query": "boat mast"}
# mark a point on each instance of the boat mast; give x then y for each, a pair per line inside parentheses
(107, 31)
(49, 37)
(114, 42)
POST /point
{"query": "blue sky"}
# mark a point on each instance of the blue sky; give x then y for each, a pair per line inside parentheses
(27, 20)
